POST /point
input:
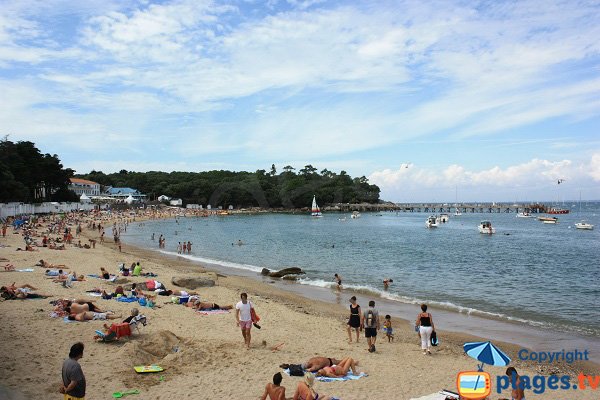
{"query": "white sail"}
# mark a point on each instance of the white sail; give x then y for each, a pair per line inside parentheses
(315, 210)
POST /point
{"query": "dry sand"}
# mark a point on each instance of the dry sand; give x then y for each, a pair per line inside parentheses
(210, 361)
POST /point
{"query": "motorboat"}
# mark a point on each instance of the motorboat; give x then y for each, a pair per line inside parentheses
(486, 227)
(457, 213)
(355, 215)
(548, 220)
(443, 218)
(524, 214)
(431, 222)
(556, 210)
(584, 225)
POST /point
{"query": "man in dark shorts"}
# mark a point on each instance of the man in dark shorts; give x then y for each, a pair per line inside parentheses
(370, 322)
(73, 386)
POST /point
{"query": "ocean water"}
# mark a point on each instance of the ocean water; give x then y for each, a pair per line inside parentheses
(528, 272)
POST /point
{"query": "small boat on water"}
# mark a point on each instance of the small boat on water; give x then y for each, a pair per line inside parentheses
(486, 227)
(584, 225)
(431, 222)
(524, 214)
(457, 213)
(315, 210)
(556, 210)
(355, 215)
(548, 220)
(443, 218)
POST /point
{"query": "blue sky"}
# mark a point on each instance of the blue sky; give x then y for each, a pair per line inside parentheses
(496, 98)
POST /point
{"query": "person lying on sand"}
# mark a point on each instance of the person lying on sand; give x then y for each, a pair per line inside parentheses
(19, 293)
(47, 265)
(93, 316)
(76, 308)
(340, 370)
(203, 306)
(316, 363)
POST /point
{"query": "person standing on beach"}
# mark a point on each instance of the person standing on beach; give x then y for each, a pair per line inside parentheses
(354, 320)
(370, 322)
(426, 327)
(338, 279)
(73, 387)
(517, 387)
(243, 316)
(189, 247)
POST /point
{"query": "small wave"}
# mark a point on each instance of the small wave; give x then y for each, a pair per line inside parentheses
(446, 305)
(228, 264)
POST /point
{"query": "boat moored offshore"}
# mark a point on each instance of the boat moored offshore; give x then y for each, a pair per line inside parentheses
(486, 227)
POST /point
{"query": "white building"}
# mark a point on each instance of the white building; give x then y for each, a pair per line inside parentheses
(83, 186)
(162, 198)
(176, 202)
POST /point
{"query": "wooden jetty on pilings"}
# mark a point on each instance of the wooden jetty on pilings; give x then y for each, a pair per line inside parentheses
(432, 208)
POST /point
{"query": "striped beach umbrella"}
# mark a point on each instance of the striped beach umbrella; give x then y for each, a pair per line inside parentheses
(486, 353)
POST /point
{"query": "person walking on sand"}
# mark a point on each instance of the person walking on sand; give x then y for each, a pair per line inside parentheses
(243, 316)
(370, 322)
(73, 387)
(354, 320)
(338, 279)
(426, 327)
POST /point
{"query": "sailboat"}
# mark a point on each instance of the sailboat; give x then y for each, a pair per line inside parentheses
(457, 213)
(583, 224)
(315, 210)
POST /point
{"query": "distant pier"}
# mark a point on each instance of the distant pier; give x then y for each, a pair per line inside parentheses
(535, 208)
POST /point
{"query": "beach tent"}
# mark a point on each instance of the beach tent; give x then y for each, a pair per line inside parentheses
(84, 198)
(129, 199)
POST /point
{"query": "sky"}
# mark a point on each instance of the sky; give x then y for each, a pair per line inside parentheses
(431, 100)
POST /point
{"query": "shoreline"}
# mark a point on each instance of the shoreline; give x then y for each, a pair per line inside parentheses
(211, 361)
(516, 332)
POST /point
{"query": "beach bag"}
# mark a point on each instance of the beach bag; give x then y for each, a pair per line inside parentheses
(296, 370)
(434, 339)
(254, 316)
(417, 328)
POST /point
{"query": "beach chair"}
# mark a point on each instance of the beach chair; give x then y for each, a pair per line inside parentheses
(111, 336)
(122, 329)
(136, 321)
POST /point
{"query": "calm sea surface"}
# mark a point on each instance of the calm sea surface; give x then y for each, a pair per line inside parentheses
(539, 274)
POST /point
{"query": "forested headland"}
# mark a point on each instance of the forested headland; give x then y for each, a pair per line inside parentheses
(28, 176)
(268, 189)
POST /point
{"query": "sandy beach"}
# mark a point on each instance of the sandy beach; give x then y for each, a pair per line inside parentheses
(203, 355)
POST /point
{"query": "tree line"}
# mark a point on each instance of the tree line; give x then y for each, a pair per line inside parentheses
(27, 175)
(269, 189)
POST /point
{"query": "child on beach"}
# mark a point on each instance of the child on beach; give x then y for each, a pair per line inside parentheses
(387, 328)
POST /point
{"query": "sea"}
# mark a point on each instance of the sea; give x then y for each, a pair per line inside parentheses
(541, 276)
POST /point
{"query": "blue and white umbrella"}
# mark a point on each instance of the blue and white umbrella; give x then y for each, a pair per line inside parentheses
(486, 353)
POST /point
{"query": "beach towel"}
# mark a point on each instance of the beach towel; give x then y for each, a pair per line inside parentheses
(348, 377)
(212, 312)
(94, 294)
(67, 320)
(111, 279)
(124, 299)
(25, 270)
(441, 395)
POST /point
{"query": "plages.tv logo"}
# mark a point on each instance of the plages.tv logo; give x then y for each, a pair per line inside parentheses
(474, 385)
(477, 385)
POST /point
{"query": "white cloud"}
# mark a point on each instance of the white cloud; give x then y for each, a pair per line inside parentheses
(536, 175)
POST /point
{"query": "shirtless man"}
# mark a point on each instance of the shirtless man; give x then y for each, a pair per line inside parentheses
(273, 390)
(89, 316)
(316, 363)
(202, 305)
(76, 308)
